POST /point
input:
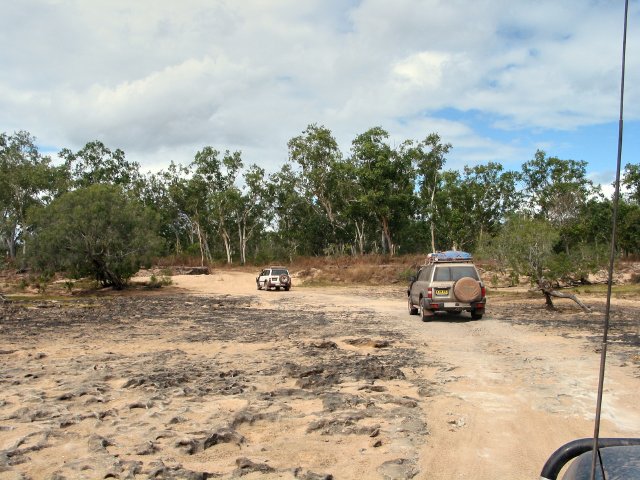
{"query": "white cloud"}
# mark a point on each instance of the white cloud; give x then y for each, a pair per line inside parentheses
(161, 80)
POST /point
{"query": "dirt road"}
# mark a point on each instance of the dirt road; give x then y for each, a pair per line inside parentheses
(213, 378)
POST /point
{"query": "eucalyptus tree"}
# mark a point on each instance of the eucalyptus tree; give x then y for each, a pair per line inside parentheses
(296, 227)
(493, 195)
(251, 207)
(187, 193)
(96, 163)
(317, 154)
(555, 189)
(454, 205)
(214, 193)
(361, 224)
(473, 204)
(223, 195)
(27, 180)
(429, 157)
(386, 178)
(158, 192)
(631, 180)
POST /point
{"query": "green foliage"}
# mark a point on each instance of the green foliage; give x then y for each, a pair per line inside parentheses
(528, 246)
(384, 197)
(27, 181)
(386, 179)
(155, 282)
(525, 246)
(321, 181)
(406, 274)
(555, 189)
(96, 231)
(41, 281)
(631, 181)
(629, 227)
(96, 164)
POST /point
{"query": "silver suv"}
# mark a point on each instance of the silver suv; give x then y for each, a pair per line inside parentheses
(448, 282)
(274, 277)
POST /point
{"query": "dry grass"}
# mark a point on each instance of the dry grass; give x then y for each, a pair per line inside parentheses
(312, 271)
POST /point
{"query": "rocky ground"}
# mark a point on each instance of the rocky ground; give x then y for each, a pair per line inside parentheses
(209, 379)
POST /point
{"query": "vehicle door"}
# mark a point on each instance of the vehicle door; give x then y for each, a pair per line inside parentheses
(421, 283)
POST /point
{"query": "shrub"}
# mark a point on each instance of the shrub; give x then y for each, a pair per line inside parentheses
(96, 231)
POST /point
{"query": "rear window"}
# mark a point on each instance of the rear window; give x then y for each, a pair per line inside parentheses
(452, 274)
(276, 271)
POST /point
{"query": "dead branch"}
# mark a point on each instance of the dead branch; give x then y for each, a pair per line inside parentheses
(549, 292)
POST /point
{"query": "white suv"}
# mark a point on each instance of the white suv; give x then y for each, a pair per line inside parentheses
(448, 282)
(274, 277)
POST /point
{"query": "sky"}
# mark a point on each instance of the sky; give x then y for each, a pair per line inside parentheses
(162, 79)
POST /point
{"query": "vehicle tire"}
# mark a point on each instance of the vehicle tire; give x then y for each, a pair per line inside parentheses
(427, 314)
(266, 285)
(467, 290)
(412, 310)
(476, 316)
(286, 289)
(258, 285)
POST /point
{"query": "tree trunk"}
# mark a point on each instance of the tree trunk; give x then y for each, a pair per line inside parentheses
(433, 237)
(11, 243)
(432, 212)
(242, 239)
(387, 236)
(227, 244)
(201, 243)
(360, 236)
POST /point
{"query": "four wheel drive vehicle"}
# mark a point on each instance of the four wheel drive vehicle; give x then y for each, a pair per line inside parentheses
(448, 282)
(274, 277)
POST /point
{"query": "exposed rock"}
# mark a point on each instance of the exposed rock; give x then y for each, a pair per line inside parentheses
(401, 468)
(246, 466)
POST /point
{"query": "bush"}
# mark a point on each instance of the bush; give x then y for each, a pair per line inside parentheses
(155, 282)
(97, 231)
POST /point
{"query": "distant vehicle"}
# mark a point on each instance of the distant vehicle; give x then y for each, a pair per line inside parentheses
(274, 277)
(448, 282)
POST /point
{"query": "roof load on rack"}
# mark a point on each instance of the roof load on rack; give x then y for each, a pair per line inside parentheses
(449, 256)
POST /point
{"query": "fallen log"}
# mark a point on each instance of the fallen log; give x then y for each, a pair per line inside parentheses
(549, 292)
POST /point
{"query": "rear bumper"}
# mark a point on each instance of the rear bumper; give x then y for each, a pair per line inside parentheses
(455, 306)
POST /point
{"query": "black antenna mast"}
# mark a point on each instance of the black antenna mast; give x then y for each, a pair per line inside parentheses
(616, 197)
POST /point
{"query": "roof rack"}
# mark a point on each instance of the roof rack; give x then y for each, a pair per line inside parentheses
(449, 256)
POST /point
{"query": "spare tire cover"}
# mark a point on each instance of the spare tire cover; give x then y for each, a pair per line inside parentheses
(284, 278)
(467, 290)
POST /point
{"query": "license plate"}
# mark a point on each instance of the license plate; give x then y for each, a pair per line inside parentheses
(442, 291)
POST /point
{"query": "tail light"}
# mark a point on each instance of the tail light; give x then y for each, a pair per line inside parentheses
(429, 292)
(483, 291)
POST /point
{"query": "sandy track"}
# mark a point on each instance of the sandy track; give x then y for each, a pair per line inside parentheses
(213, 378)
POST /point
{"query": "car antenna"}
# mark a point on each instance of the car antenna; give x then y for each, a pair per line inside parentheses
(616, 197)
